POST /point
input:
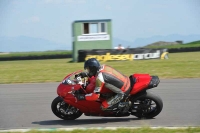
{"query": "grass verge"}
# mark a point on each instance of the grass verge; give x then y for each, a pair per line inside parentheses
(22, 54)
(121, 130)
(179, 65)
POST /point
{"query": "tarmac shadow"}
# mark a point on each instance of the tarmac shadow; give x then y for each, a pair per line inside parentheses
(83, 121)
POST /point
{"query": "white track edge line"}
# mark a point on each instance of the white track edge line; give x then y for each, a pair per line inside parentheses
(82, 128)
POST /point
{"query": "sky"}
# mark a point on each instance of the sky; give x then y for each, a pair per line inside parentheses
(131, 19)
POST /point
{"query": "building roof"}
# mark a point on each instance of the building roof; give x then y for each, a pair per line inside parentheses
(95, 20)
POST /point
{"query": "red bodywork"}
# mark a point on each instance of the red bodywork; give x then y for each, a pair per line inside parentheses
(93, 107)
(142, 82)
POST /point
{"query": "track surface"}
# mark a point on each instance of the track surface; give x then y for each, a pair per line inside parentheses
(28, 106)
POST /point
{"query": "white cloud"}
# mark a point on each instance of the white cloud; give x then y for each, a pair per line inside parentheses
(33, 19)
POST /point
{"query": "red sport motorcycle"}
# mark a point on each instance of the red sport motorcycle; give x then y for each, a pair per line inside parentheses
(142, 103)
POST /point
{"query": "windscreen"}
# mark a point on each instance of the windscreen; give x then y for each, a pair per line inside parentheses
(70, 80)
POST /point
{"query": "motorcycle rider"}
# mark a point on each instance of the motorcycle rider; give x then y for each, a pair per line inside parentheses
(109, 78)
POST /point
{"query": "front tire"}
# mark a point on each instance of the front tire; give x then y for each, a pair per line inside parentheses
(147, 105)
(63, 110)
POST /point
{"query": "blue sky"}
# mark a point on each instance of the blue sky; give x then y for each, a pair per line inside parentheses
(131, 19)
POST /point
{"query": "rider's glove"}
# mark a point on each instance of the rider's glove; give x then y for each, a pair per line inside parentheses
(80, 96)
(82, 75)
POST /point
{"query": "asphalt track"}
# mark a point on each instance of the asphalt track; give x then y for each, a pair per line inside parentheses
(28, 106)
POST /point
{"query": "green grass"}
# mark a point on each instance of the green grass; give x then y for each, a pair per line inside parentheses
(21, 54)
(192, 44)
(138, 130)
(179, 65)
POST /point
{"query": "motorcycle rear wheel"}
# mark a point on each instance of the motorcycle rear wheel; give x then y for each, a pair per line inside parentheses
(63, 110)
(147, 105)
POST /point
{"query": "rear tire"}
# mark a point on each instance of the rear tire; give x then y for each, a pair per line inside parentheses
(147, 105)
(63, 110)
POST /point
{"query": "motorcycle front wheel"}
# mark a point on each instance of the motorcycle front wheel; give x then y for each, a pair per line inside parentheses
(147, 105)
(63, 110)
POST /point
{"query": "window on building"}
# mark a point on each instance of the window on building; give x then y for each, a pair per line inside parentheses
(94, 28)
(86, 28)
(103, 27)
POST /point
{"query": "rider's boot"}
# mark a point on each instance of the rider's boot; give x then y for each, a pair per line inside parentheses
(112, 103)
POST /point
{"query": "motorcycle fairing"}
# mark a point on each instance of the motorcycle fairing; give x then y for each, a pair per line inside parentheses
(88, 107)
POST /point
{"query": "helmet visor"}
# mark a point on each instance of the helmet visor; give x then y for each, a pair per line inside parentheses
(87, 70)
